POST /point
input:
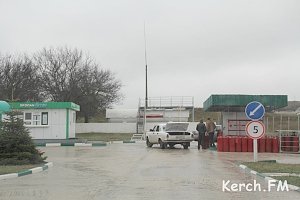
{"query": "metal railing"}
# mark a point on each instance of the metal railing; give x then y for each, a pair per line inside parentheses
(169, 102)
(289, 140)
(162, 103)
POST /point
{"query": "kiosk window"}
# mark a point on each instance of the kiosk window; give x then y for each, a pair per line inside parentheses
(44, 118)
(27, 118)
(36, 118)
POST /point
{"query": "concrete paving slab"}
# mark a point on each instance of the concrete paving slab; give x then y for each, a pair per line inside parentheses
(133, 171)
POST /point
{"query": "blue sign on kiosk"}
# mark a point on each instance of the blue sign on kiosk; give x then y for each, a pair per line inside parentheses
(255, 110)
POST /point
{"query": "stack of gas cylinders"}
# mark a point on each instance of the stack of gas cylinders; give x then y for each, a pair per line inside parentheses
(265, 144)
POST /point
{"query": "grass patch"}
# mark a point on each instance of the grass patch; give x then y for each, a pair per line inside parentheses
(8, 169)
(105, 136)
(270, 167)
(293, 180)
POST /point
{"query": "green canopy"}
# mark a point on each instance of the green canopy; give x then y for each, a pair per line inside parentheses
(237, 103)
(4, 107)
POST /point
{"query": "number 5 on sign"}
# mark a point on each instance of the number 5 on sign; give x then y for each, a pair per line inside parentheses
(255, 129)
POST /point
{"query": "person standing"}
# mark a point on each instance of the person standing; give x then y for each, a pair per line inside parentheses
(201, 128)
(210, 127)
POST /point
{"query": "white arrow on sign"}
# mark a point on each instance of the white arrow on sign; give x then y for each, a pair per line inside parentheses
(255, 110)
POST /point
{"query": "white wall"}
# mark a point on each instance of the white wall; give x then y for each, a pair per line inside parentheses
(117, 127)
(234, 121)
(56, 128)
(130, 115)
(105, 127)
(72, 123)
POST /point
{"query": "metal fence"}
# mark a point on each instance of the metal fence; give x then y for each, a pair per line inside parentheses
(169, 101)
(278, 121)
(289, 141)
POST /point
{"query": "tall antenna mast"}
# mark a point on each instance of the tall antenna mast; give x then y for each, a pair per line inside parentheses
(146, 95)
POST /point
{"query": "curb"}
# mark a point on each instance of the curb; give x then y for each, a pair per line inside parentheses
(245, 168)
(70, 144)
(123, 142)
(98, 144)
(26, 172)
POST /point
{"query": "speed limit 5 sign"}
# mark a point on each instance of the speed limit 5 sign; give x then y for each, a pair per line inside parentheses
(255, 129)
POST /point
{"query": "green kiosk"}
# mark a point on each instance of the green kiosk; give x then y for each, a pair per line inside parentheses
(46, 120)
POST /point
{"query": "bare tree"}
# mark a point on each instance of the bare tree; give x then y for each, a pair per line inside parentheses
(59, 69)
(19, 80)
(99, 90)
(69, 75)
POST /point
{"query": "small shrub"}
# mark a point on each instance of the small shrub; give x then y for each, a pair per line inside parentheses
(16, 145)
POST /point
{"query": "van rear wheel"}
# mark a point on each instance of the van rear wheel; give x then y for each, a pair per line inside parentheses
(148, 143)
(186, 145)
(161, 144)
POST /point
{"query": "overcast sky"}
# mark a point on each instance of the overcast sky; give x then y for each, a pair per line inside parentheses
(195, 48)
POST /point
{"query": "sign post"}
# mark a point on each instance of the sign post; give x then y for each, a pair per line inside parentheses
(255, 150)
(255, 129)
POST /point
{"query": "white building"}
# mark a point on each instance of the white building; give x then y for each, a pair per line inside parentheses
(153, 115)
(48, 120)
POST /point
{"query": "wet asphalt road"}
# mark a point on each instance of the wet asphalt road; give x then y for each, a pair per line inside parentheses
(132, 171)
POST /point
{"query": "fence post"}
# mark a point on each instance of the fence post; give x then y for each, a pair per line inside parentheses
(298, 120)
(273, 124)
(280, 125)
(267, 124)
(288, 122)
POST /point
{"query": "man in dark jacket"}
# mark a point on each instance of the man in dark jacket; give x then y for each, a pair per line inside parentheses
(201, 128)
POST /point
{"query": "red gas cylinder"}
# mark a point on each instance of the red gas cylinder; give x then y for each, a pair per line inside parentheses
(283, 143)
(206, 142)
(220, 143)
(226, 144)
(232, 144)
(244, 144)
(275, 145)
(269, 144)
(250, 144)
(262, 145)
(296, 144)
(238, 144)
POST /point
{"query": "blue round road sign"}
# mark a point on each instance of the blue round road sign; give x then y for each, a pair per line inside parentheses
(255, 110)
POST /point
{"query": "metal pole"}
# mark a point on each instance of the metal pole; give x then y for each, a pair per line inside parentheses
(146, 95)
(280, 141)
(280, 126)
(288, 122)
(273, 124)
(193, 115)
(255, 150)
(298, 121)
(267, 124)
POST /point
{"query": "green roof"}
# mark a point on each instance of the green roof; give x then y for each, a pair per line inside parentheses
(44, 105)
(237, 103)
